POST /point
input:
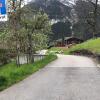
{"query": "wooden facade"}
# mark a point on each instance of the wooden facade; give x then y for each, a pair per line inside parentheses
(68, 41)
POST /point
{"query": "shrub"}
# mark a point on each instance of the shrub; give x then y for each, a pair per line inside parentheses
(4, 58)
(3, 80)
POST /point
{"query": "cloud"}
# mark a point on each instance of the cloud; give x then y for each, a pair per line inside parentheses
(27, 1)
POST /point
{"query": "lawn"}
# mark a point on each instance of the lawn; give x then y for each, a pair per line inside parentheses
(92, 45)
(10, 74)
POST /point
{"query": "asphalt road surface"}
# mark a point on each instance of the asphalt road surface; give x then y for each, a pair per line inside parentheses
(67, 78)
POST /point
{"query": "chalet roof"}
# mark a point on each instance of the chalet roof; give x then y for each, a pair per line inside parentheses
(67, 38)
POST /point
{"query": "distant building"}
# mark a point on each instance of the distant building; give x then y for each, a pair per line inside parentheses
(97, 35)
(68, 41)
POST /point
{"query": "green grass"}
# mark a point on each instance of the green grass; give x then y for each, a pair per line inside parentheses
(10, 74)
(92, 45)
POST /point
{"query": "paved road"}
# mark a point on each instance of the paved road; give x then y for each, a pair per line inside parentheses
(68, 78)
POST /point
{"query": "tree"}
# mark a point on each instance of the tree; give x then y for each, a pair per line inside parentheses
(25, 28)
(88, 16)
(34, 22)
(40, 41)
(95, 14)
(61, 30)
(14, 21)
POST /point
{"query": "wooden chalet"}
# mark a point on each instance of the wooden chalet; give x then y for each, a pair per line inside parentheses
(68, 41)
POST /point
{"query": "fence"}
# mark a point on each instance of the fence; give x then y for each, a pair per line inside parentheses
(23, 59)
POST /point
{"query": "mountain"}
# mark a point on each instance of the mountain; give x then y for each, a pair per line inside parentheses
(54, 8)
(57, 11)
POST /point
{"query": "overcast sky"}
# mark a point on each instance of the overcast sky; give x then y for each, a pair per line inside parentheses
(26, 1)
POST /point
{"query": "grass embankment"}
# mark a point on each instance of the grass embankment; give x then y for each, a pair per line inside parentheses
(92, 46)
(10, 74)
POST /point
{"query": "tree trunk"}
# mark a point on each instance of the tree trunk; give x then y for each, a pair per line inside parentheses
(95, 18)
(30, 52)
(63, 40)
(15, 33)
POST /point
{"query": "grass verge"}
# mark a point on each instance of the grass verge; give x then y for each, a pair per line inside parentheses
(92, 46)
(10, 74)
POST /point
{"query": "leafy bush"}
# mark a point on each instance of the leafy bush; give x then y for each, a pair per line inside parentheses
(3, 80)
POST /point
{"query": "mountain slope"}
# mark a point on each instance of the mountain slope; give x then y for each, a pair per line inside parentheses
(54, 8)
(57, 11)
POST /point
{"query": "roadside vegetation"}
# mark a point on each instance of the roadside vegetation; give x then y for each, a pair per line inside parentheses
(10, 74)
(25, 32)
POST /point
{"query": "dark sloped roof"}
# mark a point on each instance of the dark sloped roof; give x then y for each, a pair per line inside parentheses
(67, 38)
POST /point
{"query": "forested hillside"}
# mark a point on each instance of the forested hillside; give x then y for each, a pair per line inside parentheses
(54, 8)
(78, 14)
